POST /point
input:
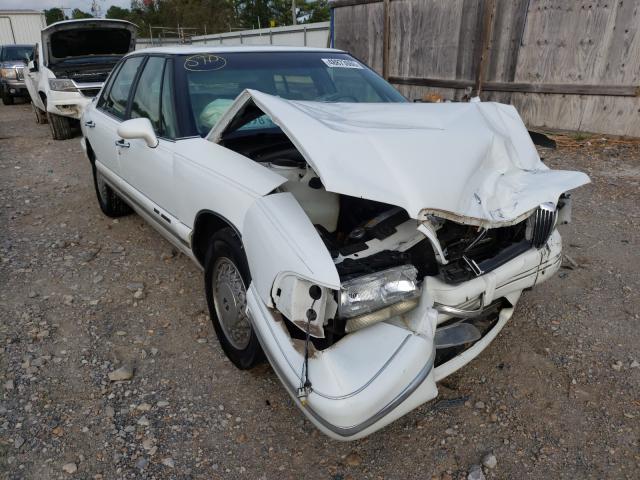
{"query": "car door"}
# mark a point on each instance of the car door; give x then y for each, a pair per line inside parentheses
(101, 123)
(150, 170)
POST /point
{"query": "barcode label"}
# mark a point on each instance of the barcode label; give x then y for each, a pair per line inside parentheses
(341, 63)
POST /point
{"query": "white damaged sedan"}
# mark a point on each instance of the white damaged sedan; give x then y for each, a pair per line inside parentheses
(367, 246)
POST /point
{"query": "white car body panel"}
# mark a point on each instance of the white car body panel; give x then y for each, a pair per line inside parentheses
(493, 176)
(279, 238)
(471, 163)
(218, 179)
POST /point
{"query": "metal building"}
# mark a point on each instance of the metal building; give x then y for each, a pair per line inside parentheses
(21, 26)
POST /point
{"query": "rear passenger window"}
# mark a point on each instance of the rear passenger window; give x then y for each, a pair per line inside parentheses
(115, 101)
(146, 101)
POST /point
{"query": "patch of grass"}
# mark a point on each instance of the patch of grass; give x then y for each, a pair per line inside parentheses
(579, 136)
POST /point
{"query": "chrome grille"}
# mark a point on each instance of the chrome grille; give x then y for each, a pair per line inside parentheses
(20, 73)
(541, 224)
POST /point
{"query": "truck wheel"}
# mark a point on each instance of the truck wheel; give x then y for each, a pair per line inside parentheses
(110, 203)
(60, 126)
(226, 278)
(7, 99)
(41, 116)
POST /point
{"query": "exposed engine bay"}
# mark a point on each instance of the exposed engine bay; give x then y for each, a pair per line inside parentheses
(377, 244)
(83, 73)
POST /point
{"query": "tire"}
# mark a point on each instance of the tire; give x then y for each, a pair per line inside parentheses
(226, 276)
(61, 128)
(110, 203)
(7, 99)
(41, 116)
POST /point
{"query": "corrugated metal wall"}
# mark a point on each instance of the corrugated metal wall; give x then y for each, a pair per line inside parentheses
(20, 27)
(309, 35)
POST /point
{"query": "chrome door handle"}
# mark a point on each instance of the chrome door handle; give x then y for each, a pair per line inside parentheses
(121, 143)
(90, 124)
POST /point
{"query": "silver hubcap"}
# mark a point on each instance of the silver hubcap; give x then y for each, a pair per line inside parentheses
(230, 301)
(102, 187)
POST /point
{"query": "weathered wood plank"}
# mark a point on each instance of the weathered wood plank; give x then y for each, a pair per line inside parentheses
(552, 111)
(488, 16)
(561, 89)
(570, 64)
(424, 37)
(351, 3)
(468, 39)
(359, 30)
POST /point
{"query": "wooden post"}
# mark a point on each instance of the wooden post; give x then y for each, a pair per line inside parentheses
(485, 42)
(385, 41)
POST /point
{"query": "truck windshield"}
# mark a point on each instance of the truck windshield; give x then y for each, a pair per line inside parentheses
(214, 80)
(16, 53)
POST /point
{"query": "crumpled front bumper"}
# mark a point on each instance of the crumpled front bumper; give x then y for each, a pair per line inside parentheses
(375, 375)
(67, 104)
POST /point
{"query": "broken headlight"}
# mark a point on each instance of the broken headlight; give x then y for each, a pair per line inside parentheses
(378, 296)
(62, 85)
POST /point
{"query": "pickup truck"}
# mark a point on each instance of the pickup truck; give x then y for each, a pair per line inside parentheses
(13, 59)
(70, 65)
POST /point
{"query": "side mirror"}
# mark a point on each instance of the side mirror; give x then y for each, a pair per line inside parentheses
(138, 128)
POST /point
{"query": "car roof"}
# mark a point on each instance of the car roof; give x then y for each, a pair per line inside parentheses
(87, 20)
(187, 49)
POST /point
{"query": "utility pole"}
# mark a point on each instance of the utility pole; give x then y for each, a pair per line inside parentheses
(63, 8)
(293, 12)
(96, 11)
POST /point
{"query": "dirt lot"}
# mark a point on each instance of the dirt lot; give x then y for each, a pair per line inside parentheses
(557, 395)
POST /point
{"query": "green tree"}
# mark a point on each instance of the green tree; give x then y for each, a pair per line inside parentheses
(53, 15)
(251, 13)
(76, 14)
(317, 11)
(118, 13)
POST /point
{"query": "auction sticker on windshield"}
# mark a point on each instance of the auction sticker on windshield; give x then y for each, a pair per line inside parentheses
(341, 63)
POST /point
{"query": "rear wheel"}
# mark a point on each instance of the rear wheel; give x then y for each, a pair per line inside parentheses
(226, 279)
(61, 127)
(110, 203)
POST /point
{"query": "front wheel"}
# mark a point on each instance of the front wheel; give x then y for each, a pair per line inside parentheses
(110, 203)
(7, 99)
(61, 127)
(226, 279)
(41, 115)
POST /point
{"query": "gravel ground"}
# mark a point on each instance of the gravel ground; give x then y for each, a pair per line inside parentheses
(557, 395)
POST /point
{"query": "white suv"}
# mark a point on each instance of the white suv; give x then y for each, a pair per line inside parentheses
(368, 246)
(70, 65)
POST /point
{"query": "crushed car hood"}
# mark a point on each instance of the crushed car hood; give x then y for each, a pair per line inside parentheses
(470, 162)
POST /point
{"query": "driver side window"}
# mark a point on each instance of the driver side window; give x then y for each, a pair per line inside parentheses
(115, 99)
(146, 100)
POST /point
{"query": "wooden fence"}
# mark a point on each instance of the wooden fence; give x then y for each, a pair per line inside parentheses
(565, 64)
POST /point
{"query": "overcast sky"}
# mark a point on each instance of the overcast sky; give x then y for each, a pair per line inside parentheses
(42, 4)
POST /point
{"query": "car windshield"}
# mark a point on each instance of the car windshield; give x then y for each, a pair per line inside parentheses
(17, 53)
(213, 81)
